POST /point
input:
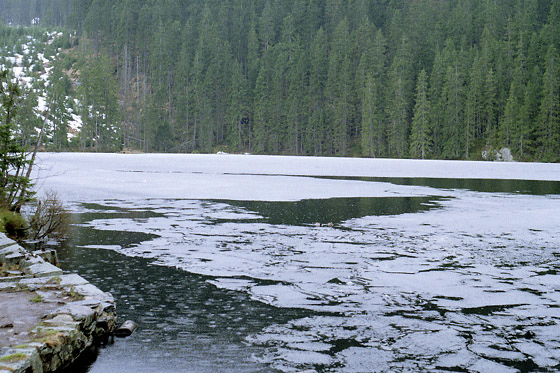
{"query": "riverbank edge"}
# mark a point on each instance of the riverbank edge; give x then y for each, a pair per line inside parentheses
(84, 315)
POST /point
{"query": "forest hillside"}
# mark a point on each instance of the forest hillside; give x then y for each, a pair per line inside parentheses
(380, 78)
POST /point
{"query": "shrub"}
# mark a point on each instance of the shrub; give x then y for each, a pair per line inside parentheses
(50, 219)
(12, 223)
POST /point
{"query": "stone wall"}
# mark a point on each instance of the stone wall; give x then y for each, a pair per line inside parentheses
(47, 318)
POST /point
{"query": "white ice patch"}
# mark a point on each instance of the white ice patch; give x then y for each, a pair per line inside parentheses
(265, 178)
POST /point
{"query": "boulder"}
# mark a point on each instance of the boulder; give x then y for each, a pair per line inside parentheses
(505, 155)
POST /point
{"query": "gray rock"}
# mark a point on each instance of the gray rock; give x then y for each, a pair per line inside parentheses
(44, 269)
(78, 312)
(75, 325)
(34, 283)
(6, 324)
(72, 280)
(88, 290)
(12, 251)
(5, 241)
(505, 155)
(48, 256)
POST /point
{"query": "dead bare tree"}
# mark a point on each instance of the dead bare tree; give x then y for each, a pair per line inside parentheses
(50, 219)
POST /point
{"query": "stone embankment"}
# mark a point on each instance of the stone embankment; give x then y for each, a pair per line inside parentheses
(47, 318)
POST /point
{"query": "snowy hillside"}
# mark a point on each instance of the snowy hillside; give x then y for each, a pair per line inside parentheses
(32, 56)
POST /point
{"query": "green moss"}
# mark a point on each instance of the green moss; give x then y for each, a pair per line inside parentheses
(74, 295)
(22, 287)
(54, 280)
(36, 299)
(49, 336)
(46, 331)
(13, 357)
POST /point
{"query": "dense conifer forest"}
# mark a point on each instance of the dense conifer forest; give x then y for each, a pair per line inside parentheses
(378, 78)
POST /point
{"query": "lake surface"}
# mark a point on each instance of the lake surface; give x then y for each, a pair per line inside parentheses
(250, 264)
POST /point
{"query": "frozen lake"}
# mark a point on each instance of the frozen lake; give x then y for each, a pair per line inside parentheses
(354, 264)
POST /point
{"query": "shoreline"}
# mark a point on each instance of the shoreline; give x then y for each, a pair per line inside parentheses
(48, 318)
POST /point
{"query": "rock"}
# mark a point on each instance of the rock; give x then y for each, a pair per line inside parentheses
(44, 269)
(13, 259)
(48, 256)
(505, 155)
(5, 241)
(62, 334)
(72, 280)
(126, 329)
(61, 319)
(89, 290)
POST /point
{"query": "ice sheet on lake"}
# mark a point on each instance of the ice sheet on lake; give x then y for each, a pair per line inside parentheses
(472, 285)
(87, 176)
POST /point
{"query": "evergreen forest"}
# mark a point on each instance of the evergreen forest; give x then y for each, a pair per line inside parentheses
(376, 78)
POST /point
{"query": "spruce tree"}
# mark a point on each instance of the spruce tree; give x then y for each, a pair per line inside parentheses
(453, 94)
(489, 108)
(13, 157)
(238, 114)
(420, 134)
(339, 83)
(316, 127)
(549, 115)
(400, 89)
(373, 128)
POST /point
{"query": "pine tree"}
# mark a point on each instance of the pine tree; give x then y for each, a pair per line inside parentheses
(297, 84)
(453, 112)
(420, 135)
(489, 109)
(315, 132)
(549, 115)
(438, 77)
(263, 104)
(238, 114)
(100, 112)
(59, 108)
(373, 135)
(28, 120)
(14, 162)
(514, 125)
(400, 99)
(338, 91)
(510, 119)
(373, 123)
